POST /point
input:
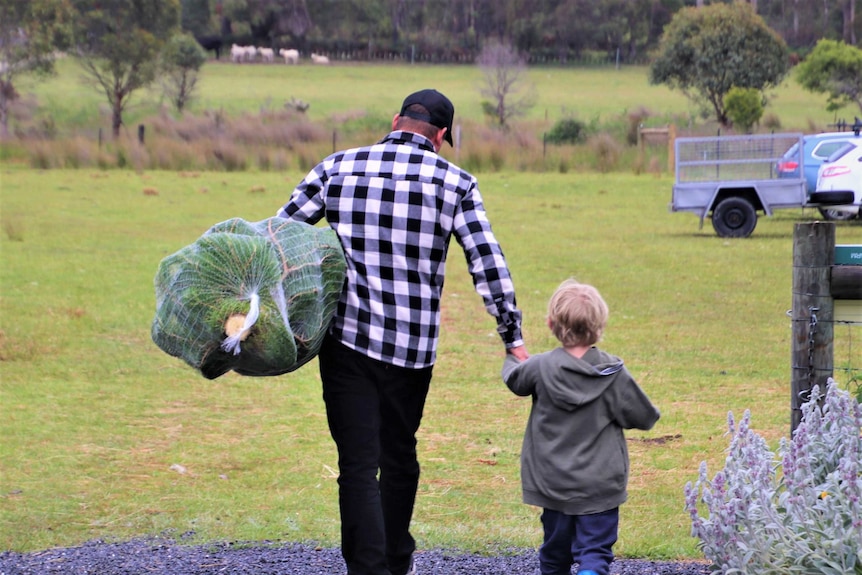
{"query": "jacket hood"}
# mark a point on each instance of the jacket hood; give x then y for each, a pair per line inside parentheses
(597, 371)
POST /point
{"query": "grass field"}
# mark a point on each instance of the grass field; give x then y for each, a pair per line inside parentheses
(104, 436)
(376, 90)
(96, 421)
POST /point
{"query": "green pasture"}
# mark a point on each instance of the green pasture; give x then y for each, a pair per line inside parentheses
(345, 90)
(102, 435)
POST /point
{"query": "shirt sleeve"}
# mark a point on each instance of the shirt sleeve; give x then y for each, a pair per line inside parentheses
(307, 203)
(517, 376)
(633, 409)
(487, 265)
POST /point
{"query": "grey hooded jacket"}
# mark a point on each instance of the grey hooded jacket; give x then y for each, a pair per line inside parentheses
(574, 457)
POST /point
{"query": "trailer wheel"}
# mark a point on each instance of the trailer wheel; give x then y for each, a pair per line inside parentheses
(734, 218)
(837, 215)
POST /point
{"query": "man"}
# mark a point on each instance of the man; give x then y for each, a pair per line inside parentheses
(394, 206)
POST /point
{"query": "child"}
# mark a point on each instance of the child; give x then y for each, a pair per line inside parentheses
(574, 460)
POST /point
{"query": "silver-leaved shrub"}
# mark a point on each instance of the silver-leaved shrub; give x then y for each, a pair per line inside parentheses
(797, 512)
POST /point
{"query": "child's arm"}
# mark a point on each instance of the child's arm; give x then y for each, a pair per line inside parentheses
(634, 408)
(516, 375)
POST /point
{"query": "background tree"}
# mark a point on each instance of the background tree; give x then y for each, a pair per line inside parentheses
(271, 23)
(505, 82)
(833, 68)
(182, 59)
(801, 23)
(197, 17)
(31, 33)
(118, 43)
(455, 30)
(704, 52)
(204, 20)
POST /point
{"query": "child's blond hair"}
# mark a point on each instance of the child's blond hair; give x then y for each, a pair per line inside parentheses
(577, 313)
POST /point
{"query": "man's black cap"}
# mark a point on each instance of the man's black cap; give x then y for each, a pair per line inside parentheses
(440, 110)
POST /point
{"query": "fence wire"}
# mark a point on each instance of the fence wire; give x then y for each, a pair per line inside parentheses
(846, 352)
(851, 367)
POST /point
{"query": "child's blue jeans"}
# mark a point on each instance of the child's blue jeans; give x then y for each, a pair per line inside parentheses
(587, 540)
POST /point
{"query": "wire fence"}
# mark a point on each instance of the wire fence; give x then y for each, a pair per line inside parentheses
(732, 158)
(826, 309)
(847, 352)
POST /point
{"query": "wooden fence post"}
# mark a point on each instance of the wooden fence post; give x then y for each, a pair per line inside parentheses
(812, 313)
(671, 149)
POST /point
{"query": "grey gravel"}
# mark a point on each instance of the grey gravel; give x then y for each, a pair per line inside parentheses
(168, 557)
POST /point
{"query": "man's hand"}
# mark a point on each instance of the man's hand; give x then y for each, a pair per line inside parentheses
(519, 352)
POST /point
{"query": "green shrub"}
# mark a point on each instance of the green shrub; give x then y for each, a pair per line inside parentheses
(799, 513)
(489, 110)
(122, 157)
(744, 107)
(567, 131)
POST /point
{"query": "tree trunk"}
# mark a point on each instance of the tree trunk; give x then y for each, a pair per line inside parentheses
(796, 19)
(117, 115)
(4, 113)
(849, 13)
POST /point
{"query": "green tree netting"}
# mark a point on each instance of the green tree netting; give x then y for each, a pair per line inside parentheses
(255, 298)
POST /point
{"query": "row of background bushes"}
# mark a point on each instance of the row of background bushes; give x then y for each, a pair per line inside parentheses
(268, 117)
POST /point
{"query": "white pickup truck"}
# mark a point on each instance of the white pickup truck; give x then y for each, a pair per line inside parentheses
(732, 178)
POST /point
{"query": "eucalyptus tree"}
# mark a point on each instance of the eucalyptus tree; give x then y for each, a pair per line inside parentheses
(182, 59)
(704, 52)
(835, 69)
(118, 43)
(32, 32)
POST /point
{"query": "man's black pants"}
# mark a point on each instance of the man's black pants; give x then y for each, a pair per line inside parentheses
(374, 410)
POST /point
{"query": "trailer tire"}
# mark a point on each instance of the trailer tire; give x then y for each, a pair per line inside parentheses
(734, 218)
(836, 215)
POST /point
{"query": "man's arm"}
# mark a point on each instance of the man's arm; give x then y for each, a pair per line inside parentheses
(306, 203)
(487, 265)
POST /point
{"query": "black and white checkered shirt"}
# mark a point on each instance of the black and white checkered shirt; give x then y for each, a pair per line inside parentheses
(394, 206)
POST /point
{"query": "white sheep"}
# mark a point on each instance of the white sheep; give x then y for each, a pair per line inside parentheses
(290, 56)
(266, 54)
(318, 59)
(250, 53)
(237, 53)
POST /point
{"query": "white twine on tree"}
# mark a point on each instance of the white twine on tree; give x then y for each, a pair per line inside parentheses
(232, 341)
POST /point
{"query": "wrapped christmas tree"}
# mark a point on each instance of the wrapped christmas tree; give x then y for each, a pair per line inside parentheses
(253, 297)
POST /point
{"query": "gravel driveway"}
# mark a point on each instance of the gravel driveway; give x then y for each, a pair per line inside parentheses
(167, 557)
